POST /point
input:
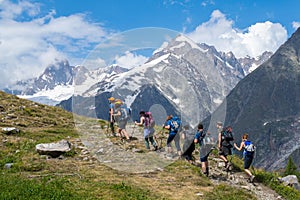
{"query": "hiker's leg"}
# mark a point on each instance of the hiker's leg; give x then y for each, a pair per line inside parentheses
(112, 128)
(124, 132)
(169, 140)
(152, 141)
(147, 143)
(248, 172)
(222, 155)
(177, 144)
(247, 163)
(204, 164)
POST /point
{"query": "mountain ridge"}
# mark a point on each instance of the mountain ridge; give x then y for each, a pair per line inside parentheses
(266, 105)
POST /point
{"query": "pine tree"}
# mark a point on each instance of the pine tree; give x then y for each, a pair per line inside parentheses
(290, 168)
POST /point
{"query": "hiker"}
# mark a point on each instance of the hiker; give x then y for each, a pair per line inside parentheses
(111, 117)
(248, 154)
(146, 120)
(173, 125)
(121, 120)
(224, 143)
(188, 145)
(205, 148)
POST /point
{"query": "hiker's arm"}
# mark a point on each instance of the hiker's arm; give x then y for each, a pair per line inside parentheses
(111, 111)
(166, 126)
(141, 122)
(196, 138)
(239, 148)
(117, 114)
(219, 140)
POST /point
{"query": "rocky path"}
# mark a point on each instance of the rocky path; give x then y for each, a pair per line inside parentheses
(132, 157)
(240, 180)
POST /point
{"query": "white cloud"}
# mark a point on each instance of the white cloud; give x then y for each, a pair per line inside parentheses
(220, 32)
(130, 60)
(28, 46)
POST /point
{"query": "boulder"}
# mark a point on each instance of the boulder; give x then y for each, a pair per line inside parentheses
(54, 149)
(10, 130)
(291, 180)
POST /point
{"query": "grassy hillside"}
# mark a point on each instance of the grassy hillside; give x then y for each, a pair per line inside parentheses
(79, 175)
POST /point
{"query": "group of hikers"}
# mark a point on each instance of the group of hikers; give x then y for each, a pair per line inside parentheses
(119, 113)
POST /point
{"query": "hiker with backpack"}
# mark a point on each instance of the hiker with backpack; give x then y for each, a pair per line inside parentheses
(205, 148)
(225, 138)
(249, 150)
(121, 118)
(173, 124)
(146, 120)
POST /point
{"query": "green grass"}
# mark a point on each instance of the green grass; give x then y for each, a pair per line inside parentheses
(225, 192)
(271, 180)
(33, 176)
(17, 186)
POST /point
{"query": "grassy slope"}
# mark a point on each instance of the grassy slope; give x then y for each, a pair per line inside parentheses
(37, 177)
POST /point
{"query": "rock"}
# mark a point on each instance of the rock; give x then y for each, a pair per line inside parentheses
(10, 130)
(290, 180)
(53, 149)
(8, 165)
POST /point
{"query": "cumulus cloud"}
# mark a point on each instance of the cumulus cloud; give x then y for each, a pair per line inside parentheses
(130, 60)
(30, 42)
(220, 32)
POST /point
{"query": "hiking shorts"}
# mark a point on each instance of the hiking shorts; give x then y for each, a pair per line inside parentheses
(247, 161)
(122, 124)
(225, 151)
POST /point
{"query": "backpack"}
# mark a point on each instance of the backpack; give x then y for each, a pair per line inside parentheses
(125, 113)
(227, 134)
(149, 121)
(249, 147)
(175, 124)
(201, 137)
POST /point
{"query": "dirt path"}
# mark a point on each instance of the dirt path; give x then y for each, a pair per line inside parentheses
(129, 157)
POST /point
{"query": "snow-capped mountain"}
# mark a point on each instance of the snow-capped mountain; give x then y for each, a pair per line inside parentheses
(56, 83)
(200, 69)
(250, 64)
(182, 77)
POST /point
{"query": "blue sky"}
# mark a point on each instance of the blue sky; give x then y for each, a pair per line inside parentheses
(34, 33)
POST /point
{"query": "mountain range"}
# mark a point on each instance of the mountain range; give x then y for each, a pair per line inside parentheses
(266, 104)
(182, 78)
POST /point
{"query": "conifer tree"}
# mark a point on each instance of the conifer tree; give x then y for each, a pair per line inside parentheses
(290, 168)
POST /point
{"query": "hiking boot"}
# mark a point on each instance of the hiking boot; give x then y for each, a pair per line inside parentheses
(228, 167)
(251, 179)
(155, 148)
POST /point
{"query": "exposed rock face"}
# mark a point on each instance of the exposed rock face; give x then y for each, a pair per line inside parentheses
(266, 104)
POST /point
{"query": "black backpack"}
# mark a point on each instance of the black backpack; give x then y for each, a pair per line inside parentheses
(227, 137)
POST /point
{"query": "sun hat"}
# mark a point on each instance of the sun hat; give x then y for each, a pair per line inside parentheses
(111, 98)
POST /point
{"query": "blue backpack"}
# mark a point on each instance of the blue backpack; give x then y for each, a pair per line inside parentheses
(175, 124)
(249, 147)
